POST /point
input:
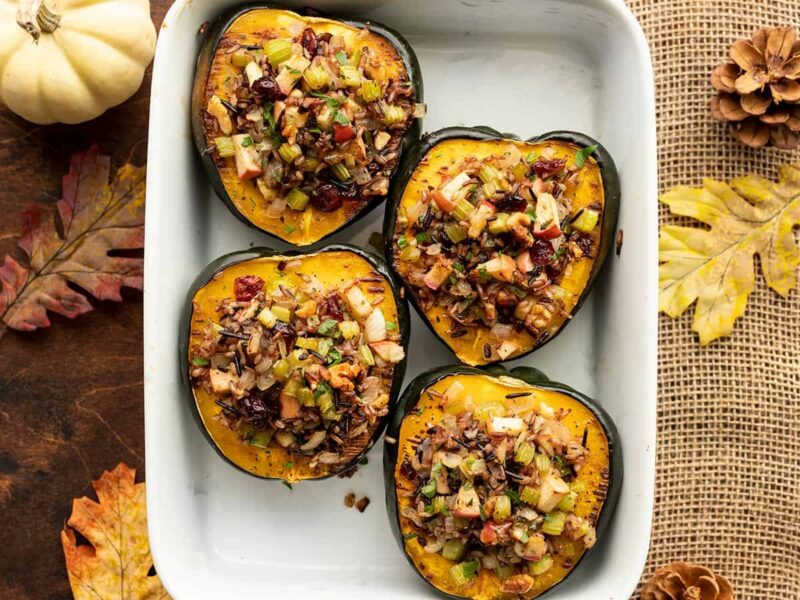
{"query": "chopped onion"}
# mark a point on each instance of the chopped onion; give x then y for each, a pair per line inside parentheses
(420, 109)
(375, 326)
(264, 382)
(501, 331)
(276, 207)
(315, 440)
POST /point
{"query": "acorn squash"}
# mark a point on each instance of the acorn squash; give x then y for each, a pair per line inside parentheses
(292, 362)
(498, 483)
(499, 241)
(300, 121)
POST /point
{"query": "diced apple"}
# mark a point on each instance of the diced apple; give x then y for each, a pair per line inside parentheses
(505, 426)
(389, 352)
(221, 381)
(253, 72)
(248, 164)
(290, 407)
(586, 221)
(506, 349)
(477, 222)
(501, 267)
(535, 547)
(449, 189)
(291, 72)
(551, 491)
(358, 302)
(489, 533)
(437, 274)
(217, 110)
(375, 326)
(547, 222)
(381, 139)
(468, 505)
(524, 262)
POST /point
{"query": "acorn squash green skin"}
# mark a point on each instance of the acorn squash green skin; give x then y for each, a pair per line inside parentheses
(611, 188)
(529, 375)
(227, 260)
(211, 38)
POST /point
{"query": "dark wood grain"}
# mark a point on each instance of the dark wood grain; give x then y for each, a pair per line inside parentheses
(71, 399)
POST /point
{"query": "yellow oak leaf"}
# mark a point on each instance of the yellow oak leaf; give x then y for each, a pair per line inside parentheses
(116, 564)
(751, 215)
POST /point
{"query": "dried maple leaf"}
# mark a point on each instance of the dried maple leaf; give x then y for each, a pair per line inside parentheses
(752, 215)
(96, 217)
(116, 564)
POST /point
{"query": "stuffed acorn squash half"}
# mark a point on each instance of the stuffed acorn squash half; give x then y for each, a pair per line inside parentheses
(498, 240)
(498, 483)
(300, 121)
(293, 362)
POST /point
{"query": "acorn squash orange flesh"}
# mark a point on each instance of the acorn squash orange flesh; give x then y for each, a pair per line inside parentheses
(332, 266)
(418, 410)
(432, 161)
(215, 70)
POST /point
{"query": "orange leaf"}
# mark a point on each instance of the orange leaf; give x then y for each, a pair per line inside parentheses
(116, 564)
(96, 217)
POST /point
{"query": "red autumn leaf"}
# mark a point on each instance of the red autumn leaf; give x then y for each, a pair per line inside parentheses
(95, 217)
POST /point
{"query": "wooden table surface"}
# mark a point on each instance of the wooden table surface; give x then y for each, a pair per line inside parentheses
(71, 397)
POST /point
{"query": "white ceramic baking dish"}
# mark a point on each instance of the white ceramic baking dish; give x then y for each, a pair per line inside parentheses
(517, 65)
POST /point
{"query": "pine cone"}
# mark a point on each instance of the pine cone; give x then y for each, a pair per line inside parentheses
(759, 92)
(682, 581)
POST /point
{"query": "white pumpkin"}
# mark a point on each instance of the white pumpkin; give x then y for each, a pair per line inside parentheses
(69, 61)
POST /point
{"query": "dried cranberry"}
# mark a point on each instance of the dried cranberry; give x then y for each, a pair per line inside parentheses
(253, 407)
(325, 37)
(326, 198)
(584, 241)
(511, 204)
(267, 88)
(541, 252)
(544, 167)
(309, 41)
(247, 286)
(407, 470)
(333, 306)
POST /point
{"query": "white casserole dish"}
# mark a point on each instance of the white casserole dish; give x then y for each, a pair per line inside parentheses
(515, 65)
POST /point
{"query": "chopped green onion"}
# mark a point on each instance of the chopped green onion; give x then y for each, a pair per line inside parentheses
(463, 210)
(297, 199)
(531, 157)
(393, 114)
(328, 327)
(524, 454)
(390, 326)
(402, 242)
(502, 508)
(422, 237)
(582, 154)
(341, 57)
(290, 152)
(334, 357)
(465, 572)
(541, 566)
(439, 506)
(247, 141)
(289, 228)
(278, 51)
(225, 147)
(455, 232)
(282, 313)
(429, 489)
(505, 571)
(514, 496)
(454, 549)
(340, 171)
(410, 254)
(554, 522)
(316, 78)
(370, 91)
(199, 361)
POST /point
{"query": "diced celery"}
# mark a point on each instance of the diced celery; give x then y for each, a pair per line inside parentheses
(310, 164)
(488, 173)
(225, 147)
(464, 572)
(504, 571)
(519, 171)
(349, 329)
(410, 254)
(267, 318)
(290, 152)
(370, 91)
(282, 313)
(463, 210)
(240, 59)
(297, 199)
(524, 454)
(529, 495)
(393, 114)
(568, 502)
(305, 396)
(350, 75)
(454, 549)
(541, 566)
(340, 171)
(261, 439)
(281, 369)
(499, 224)
(587, 220)
(455, 232)
(439, 506)
(325, 402)
(316, 78)
(502, 508)
(554, 522)
(309, 343)
(542, 464)
(488, 409)
(278, 51)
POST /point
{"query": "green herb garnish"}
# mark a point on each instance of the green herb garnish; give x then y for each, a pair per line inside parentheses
(247, 141)
(341, 119)
(514, 496)
(327, 327)
(199, 361)
(334, 357)
(429, 489)
(390, 326)
(341, 57)
(288, 464)
(402, 242)
(289, 229)
(582, 154)
(422, 237)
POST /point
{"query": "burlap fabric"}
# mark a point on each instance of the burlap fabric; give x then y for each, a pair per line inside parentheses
(728, 474)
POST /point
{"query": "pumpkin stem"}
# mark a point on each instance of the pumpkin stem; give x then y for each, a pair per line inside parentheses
(35, 17)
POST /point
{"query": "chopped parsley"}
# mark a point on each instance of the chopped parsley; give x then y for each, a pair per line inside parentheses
(422, 237)
(341, 57)
(402, 242)
(582, 154)
(199, 361)
(328, 327)
(289, 229)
